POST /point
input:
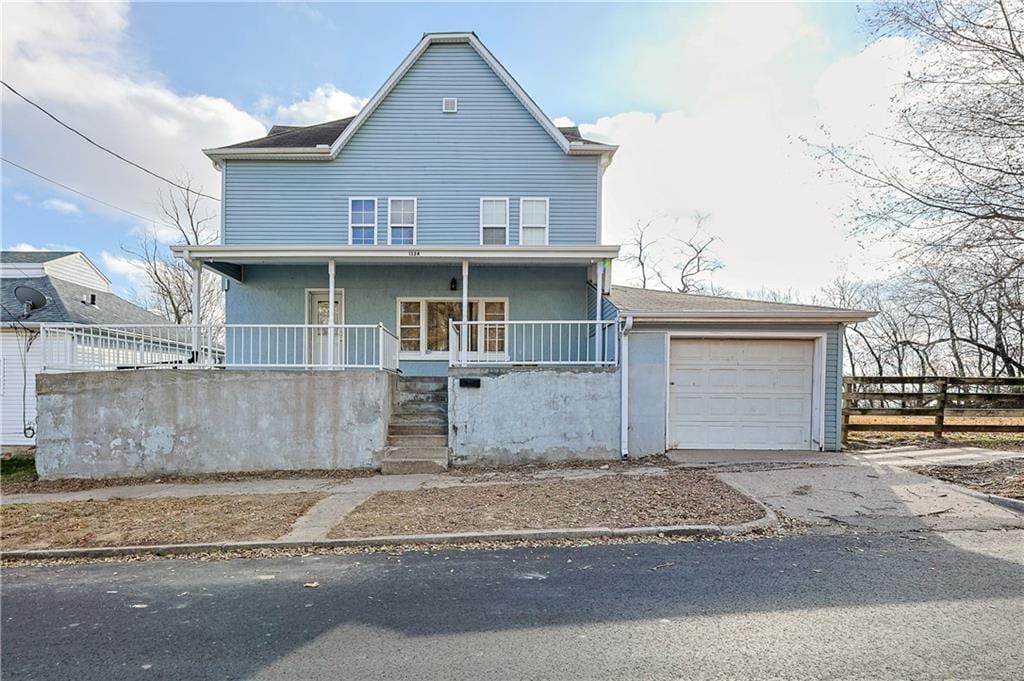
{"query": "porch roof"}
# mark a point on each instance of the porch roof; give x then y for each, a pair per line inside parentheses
(230, 259)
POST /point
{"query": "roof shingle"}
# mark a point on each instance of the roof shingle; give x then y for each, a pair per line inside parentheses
(64, 304)
(638, 300)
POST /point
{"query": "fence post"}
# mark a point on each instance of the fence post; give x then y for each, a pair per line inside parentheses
(940, 413)
(845, 435)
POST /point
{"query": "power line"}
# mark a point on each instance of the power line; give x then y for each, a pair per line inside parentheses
(75, 191)
(109, 151)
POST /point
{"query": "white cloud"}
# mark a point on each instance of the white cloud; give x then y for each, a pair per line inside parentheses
(325, 103)
(61, 206)
(73, 59)
(21, 198)
(563, 122)
(735, 150)
(123, 266)
(27, 247)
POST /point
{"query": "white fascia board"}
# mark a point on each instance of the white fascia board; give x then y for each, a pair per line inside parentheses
(790, 316)
(400, 253)
(269, 154)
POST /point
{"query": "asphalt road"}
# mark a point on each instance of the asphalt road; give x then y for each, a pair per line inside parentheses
(913, 606)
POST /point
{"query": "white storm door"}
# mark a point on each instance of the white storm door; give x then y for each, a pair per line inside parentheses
(317, 315)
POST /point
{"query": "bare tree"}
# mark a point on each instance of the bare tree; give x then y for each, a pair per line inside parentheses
(696, 260)
(168, 292)
(953, 176)
(640, 252)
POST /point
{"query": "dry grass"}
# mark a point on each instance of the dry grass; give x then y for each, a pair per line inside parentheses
(677, 498)
(881, 439)
(1004, 478)
(131, 522)
(26, 483)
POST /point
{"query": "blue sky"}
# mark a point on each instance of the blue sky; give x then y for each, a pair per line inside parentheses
(158, 81)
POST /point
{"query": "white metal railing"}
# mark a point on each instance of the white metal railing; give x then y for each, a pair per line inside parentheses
(101, 347)
(506, 343)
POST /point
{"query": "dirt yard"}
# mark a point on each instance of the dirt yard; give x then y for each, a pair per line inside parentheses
(123, 522)
(1004, 478)
(677, 498)
(18, 476)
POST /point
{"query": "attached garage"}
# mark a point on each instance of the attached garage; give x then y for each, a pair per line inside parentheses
(740, 393)
(705, 372)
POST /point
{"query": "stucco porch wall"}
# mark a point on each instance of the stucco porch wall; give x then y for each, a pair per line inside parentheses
(276, 294)
(534, 414)
(122, 423)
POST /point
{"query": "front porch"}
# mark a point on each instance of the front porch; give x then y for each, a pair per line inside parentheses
(413, 312)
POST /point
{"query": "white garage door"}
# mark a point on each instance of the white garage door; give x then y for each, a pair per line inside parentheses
(740, 394)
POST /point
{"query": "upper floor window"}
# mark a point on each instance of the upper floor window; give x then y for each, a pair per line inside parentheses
(402, 221)
(494, 221)
(533, 221)
(362, 221)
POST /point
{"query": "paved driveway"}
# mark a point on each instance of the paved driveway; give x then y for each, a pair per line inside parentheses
(868, 490)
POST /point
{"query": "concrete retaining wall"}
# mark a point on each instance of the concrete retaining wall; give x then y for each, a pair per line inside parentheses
(114, 423)
(530, 414)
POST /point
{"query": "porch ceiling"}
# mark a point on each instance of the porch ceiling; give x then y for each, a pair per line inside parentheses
(228, 259)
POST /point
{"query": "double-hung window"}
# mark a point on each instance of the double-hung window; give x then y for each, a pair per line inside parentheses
(402, 221)
(362, 221)
(533, 221)
(494, 221)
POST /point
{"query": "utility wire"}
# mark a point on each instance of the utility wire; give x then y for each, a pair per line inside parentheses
(109, 151)
(75, 191)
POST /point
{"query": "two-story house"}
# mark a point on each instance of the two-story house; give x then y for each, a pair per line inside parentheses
(431, 272)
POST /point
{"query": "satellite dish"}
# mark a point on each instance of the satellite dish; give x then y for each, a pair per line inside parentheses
(31, 298)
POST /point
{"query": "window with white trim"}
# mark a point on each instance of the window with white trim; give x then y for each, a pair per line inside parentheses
(494, 221)
(423, 324)
(402, 221)
(362, 221)
(533, 221)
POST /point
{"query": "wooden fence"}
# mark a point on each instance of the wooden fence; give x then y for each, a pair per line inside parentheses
(937, 397)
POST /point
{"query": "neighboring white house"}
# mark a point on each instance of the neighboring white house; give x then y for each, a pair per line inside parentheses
(76, 292)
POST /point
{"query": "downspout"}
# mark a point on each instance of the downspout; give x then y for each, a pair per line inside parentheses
(624, 391)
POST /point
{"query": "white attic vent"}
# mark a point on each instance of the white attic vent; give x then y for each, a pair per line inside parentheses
(449, 105)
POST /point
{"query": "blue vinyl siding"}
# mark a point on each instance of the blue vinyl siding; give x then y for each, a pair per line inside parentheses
(492, 147)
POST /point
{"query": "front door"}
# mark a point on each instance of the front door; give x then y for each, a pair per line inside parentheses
(317, 315)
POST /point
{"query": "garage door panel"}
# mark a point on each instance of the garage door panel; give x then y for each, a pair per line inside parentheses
(740, 394)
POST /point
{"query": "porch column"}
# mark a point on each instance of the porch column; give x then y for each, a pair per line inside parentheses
(197, 280)
(464, 336)
(330, 313)
(599, 294)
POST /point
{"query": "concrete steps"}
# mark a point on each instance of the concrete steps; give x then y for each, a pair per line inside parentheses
(418, 432)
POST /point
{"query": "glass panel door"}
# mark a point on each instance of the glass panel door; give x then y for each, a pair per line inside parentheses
(318, 337)
(439, 313)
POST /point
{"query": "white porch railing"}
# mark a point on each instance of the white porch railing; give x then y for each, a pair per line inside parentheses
(540, 343)
(213, 346)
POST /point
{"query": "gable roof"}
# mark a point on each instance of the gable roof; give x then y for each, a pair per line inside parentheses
(33, 257)
(669, 305)
(325, 140)
(64, 304)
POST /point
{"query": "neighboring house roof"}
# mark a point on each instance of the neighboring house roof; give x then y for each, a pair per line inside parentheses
(288, 136)
(669, 305)
(33, 257)
(284, 142)
(64, 304)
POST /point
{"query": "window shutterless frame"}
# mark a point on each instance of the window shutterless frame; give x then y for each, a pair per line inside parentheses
(546, 226)
(415, 218)
(483, 224)
(422, 353)
(353, 224)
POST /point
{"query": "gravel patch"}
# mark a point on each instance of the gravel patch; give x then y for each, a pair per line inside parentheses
(619, 501)
(1003, 478)
(141, 522)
